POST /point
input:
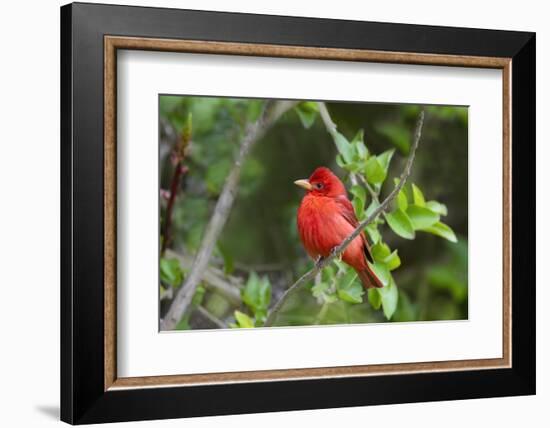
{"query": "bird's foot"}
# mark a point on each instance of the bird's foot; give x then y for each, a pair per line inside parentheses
(318, 261)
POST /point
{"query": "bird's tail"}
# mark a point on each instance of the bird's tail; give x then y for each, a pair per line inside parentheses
(369, 278)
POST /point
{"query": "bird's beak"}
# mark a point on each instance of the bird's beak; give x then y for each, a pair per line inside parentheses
(304, 184)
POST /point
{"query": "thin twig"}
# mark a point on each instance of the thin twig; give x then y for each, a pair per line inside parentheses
(270, 114)
(179, 170)
(332, 130)
(179, 152)
(213, 319)
(213, 278)
(337, 251)
(327, 120)
(372, 192)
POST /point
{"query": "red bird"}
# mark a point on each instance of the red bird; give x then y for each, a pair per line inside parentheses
(326, 218)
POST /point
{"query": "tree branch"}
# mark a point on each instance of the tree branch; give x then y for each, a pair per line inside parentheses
(374, 195)
(213, 278)
(341, 248)
(214, 320)
(327, 120)
(178, 155)
(332, 130)
(271, 112)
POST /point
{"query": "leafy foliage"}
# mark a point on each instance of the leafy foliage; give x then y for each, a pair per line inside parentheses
(407, 218)
(419, 247)
(171, 272)
(257, 295)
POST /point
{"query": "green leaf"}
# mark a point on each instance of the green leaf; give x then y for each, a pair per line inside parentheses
(307, 112)
(382, 272)
(322, 290)
(359, 192)
(319, 289)
(421, 217)
(389, 296)
(360, 196)
(256, 294)
(342, 267)
(228, 261)
(358, 207)
(340, 161)
(171, 272)
(198, 296)
(349, 289)
(343, 146)
(352, 295)
(400, 223)
(385, 159)
(382, 254)
(375, 299)
(347, 280)
(359, 146)
(374, 171)
(437, 207)
(372, 206)
(402, 202)
(374, 234)
(328, 273)
(330, 298)
(442, 230)
(358, 137)
(380, 251)
(392, 261)
(404, 190)
(353, 167)
(360, 150)
(243, 320)
(418, 197)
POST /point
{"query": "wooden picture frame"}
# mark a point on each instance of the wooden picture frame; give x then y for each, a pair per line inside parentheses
(91, 390)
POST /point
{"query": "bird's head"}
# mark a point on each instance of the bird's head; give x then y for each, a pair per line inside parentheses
(323, 182)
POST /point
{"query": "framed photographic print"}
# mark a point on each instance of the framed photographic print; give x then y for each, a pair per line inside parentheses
(265, 213)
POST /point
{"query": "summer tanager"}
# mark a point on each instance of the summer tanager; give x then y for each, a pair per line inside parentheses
(326, 217)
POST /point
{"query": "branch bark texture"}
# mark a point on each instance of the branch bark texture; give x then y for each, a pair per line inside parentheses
(308, 276)
(271, 112)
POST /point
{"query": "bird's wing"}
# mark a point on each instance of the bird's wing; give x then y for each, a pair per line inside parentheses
(346, 208)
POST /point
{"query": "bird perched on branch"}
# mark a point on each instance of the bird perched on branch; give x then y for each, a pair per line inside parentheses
(326, 217)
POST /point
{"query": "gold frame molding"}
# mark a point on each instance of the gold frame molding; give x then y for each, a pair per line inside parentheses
(113, 43)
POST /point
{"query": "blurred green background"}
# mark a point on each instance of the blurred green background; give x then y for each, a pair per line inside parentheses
(260, 241)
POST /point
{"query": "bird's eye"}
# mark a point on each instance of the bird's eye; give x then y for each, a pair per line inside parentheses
(319, 185)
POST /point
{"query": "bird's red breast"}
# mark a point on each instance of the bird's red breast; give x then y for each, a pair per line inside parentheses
(326, 217)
